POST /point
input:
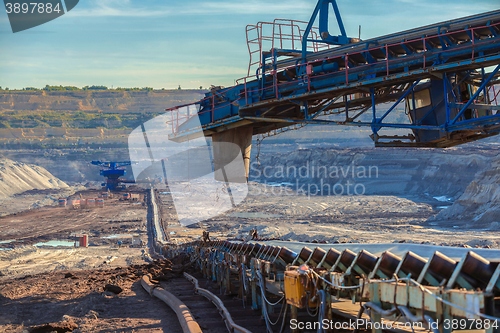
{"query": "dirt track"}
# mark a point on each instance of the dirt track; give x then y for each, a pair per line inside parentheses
(52, 222)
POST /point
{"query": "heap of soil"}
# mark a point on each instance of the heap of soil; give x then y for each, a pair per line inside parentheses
(17, 177)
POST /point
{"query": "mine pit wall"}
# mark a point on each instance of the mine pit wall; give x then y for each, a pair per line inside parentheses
(63, 133)
(411, 173)
(70, 165)
(379, 171)
(399, 172)
(97, 100)
(479, 205)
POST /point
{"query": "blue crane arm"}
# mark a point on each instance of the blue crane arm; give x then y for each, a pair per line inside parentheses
(111, 165)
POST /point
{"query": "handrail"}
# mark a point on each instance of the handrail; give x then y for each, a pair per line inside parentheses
(419, 50)
(342, 57)
(230, 324)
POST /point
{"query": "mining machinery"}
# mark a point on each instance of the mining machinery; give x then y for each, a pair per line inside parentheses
(432, 86)
(113, 171)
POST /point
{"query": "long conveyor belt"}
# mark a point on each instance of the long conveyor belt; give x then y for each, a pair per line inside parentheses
(426, 284)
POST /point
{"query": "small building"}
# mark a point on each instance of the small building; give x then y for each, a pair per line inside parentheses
(99, 202)
(90, 202)
(136, 241)
(82, 240)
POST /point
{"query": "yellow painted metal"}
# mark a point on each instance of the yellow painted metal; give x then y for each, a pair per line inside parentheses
(299, 288)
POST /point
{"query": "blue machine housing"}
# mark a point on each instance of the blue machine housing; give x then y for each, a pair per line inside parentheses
(113, 171)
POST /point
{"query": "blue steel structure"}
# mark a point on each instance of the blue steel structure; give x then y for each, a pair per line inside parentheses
(112, 171)
(439, 82)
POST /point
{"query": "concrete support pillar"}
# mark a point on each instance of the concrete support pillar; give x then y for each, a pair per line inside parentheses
(226, 146)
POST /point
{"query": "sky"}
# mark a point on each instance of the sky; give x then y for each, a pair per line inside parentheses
(167, 43)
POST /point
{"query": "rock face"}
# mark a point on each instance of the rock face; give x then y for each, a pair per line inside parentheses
(102, 101)
(470, 178)
(377, 171)
(479, 205)
(17, 177)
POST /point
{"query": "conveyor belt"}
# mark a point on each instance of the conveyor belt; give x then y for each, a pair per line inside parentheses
(473, 21)
(397, 248)
(296, 87)
(386, 279)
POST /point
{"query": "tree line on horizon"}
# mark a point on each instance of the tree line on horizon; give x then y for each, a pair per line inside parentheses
(93, 87)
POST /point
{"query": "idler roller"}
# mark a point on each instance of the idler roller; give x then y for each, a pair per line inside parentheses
(347, 257)
(389, 263)
(331, 258)
(441, 267)
(268, 251)
(305, 253)
(366, 261)
(318, 255)
(245, 248)
(287, 255)
(256, 248)
(412, 264)
(276, 250)
(264, 250)
(478, 269)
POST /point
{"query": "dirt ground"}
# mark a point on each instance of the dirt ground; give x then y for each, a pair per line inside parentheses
(53, 222)
(64, 285)
(35, 287)
(33, 200)
(281, 213)
(41, 240)
(77, 301)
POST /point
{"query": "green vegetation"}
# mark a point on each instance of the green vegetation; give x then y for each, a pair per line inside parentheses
(135, 89)
(95, 88)
(76, 119)
(74, 88)
(59, 88)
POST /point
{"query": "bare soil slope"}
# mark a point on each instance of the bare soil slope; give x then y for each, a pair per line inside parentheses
(479, 205)
(18, 177)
